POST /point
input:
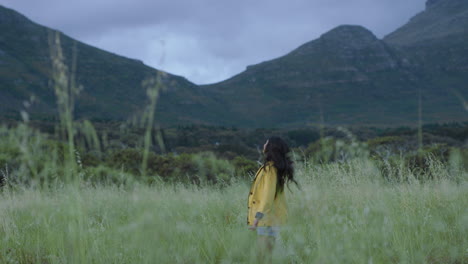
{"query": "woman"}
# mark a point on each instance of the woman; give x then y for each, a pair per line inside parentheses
(267, 209)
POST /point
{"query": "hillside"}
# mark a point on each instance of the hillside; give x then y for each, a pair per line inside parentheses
(112, 87)
(346, 77)
(436, 40)
(442, 20)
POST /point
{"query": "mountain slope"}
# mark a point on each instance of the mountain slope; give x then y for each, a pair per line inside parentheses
(345, 77)
(441, 20)
(112, 83)
(348, 76)
(436, 40)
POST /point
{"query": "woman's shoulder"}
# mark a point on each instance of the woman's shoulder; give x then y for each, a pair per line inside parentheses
(269, 165)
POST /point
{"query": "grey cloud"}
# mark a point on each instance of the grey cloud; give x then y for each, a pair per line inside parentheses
(210, 40)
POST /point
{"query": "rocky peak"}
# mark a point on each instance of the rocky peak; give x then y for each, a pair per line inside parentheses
(350, 47)
(349, 30)
(342, 39)
(350, 36)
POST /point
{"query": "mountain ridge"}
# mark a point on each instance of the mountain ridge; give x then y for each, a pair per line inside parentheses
(112, 83)
(365, 79)
(347, 76)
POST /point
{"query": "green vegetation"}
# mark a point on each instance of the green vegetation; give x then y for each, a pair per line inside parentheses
(355, 203)
(109, 148)
(345, 213)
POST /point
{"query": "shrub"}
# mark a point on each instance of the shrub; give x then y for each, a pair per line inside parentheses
(330, 150)
(108, 176)
(212, 170)
(128, 160)
(244, 167)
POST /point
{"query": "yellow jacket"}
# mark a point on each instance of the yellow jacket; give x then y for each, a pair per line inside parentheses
(263, 201)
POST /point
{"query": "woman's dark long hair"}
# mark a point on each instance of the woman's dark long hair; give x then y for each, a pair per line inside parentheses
(277, 151)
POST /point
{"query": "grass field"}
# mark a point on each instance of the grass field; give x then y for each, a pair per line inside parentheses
(345, 213)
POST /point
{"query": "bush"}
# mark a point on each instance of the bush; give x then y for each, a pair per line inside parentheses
(331, 150)
(212, 170)
(420, 163)
(128, 160)
(200, 168)
(244, 167)
(104, 175)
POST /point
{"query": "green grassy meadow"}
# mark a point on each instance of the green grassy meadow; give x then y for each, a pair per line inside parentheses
(344, 213)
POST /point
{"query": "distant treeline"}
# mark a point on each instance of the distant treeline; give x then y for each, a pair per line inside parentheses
(197, 153)
(232, 141)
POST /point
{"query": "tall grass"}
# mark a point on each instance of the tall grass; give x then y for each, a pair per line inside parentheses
(344, 213)
(65, 88)
(153, 87)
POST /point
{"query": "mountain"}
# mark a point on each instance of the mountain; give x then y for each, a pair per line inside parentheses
(348, 76)
(345, 77)
(112, 84)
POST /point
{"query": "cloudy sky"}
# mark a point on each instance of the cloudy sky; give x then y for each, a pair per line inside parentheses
(208, 41)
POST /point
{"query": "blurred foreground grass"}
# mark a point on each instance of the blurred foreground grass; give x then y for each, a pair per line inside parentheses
(344, 214)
